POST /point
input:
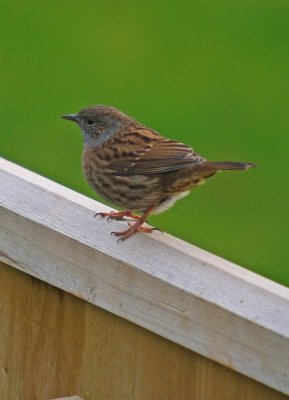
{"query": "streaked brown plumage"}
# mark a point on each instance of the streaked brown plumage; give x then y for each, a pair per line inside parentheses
(136, 168)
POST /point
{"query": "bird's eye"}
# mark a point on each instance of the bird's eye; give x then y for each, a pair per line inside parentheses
(90, 121)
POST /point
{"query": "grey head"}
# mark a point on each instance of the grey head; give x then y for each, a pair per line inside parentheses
(99, 123)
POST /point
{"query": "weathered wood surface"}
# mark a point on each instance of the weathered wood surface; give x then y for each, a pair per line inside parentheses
(169, 287)
(53, 345)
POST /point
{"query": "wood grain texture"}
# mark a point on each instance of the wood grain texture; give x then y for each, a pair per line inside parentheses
(167, 286)
(53, 345)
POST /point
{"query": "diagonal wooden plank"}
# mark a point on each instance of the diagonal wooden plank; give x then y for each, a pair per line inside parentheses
(174, 289)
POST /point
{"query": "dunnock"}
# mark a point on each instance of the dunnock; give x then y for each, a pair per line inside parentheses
(136, 168)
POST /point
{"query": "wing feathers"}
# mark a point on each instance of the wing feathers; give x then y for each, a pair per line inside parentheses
(146, 152)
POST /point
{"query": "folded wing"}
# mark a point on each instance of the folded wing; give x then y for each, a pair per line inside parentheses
(146, 152)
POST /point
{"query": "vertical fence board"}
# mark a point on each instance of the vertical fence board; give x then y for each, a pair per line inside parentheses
(53, 345)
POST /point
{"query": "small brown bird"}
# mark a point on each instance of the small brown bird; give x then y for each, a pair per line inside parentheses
(136, 168)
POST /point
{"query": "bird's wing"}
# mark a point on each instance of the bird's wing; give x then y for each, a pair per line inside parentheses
(146, 152)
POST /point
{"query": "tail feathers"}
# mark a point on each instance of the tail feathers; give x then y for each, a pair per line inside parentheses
(226, 165)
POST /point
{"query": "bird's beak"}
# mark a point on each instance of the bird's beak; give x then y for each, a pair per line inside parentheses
(70, 117)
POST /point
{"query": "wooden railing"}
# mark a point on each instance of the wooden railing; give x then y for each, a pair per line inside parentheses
(205, 304)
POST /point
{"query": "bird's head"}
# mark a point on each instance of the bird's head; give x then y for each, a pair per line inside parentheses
(99, 123)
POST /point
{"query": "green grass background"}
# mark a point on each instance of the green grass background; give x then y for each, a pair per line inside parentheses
(213, 74)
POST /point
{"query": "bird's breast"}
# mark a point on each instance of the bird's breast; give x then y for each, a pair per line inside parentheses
(132, 192)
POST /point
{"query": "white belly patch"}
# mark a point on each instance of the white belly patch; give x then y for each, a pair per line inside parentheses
(169, 202)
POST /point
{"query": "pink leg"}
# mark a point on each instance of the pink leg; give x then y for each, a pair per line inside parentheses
(136, 227)
(118, 215)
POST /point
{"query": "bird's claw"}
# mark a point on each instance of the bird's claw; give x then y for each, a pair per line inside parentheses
(157, 229)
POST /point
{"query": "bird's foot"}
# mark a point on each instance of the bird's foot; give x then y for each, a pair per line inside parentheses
(118, 215)
(133, 228)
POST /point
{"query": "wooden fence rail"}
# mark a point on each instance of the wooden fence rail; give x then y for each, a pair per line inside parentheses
(192, 298)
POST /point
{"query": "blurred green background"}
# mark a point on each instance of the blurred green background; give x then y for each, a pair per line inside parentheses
(213, 74)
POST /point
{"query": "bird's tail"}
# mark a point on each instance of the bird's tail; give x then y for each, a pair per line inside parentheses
(226, 165)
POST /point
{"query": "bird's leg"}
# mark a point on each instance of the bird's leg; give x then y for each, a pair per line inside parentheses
(118, 215)
(136, 227)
